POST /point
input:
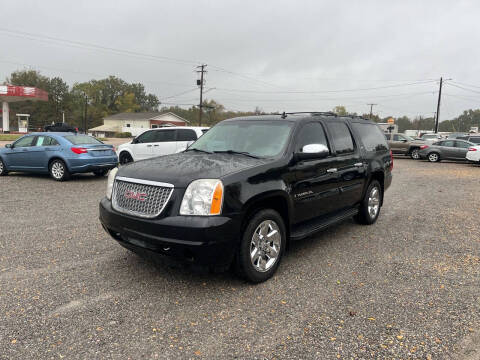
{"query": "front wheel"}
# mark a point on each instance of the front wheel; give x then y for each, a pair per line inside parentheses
(262, 246)
(125, 158)
(433, 157)
(370, 205)
(415, 154)
(3, 169)
(59, 171)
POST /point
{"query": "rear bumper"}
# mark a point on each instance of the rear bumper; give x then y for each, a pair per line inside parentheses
(208, 240)
(92, 164)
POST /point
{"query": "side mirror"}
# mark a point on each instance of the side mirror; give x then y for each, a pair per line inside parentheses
(403, 140)
(9, 146)
(135, 141)
(313, 151)
(190, 143)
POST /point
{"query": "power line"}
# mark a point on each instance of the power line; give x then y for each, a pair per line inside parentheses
(182, 93)
(371, 109)
(464, 88)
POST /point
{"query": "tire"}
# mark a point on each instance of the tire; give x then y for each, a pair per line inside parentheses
(255, 268)
(100, 173)
(415, 154)
(3, 168)
(125, 158)
(433, 157)
(370, 205)
(58, 170)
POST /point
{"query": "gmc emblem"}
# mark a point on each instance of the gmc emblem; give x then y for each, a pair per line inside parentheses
(135, 195)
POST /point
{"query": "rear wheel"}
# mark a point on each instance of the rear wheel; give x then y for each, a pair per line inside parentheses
(433, 157)
(59, 171)
(370, 206)
(262, 246)
(100, 173)
(415, 154)
(125, 158)
(3, 169)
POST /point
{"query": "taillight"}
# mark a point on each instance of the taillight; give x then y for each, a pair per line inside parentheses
(79, 150)
(391, 160)
(472, 149)
(423, 147)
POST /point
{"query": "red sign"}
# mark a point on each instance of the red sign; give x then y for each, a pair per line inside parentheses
(18, 93)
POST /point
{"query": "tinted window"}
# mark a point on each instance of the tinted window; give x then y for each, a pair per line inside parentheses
(398, 137)
(164, 135)
(371, 136)
(186, 135)
(342, 139)
(82, 140)
(448, 143)
(462, 144)
(146, 137)
(25, 141)
(311, 133)
(475, 139)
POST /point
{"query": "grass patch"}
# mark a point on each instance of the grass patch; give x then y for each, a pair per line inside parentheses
(9, 137)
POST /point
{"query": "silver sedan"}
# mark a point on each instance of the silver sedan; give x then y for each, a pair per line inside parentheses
(445, 150)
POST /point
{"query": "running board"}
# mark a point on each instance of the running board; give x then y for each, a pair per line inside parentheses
(312, 226)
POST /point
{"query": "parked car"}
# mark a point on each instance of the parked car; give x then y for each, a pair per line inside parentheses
(456, 135)
(401, 144)
(247, 187)
(160, 141)
(445, 150)
(430, 138)
(60, 154)
(60, 127)
(474, 138)
(473, 154)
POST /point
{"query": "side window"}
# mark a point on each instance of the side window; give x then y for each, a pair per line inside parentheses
(164, 135)
(372, 137)
(475, 140)
(448, 143)
(146, 137)
(24, 142)
(186, 135)
(397, 137)
(342, 139)
(462, 144)
(311, 133)
(46, 141)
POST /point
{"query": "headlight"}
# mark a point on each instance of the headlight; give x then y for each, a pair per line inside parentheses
(111, 179)
(203, 197)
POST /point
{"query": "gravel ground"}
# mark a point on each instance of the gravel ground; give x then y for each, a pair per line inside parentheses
(406, 287)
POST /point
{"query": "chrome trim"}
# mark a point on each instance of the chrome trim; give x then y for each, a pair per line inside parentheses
(332, 170)
(359, 164)
(144, 182)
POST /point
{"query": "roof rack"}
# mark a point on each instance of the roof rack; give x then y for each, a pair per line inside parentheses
(328, 113)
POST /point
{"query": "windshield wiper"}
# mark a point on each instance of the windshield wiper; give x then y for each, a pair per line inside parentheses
(199, 150)
(237, 152)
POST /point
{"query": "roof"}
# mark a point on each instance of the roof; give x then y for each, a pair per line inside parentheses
(152, 115)
(299, 116)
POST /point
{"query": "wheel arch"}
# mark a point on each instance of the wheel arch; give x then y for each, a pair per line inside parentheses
(57, 157)
(380, 177)
(126, 150)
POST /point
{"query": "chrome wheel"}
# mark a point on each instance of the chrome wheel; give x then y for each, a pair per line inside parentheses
(414, 154)
(265, 245)
(57, 170)
(433, 157)
(373, 202)
(1, 167)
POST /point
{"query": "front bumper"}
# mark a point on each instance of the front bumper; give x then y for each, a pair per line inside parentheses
(472, 156)
(209, 240)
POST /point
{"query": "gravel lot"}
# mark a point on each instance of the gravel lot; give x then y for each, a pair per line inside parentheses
(406, 287)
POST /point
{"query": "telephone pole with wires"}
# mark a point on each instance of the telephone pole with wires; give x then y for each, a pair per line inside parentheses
(200, 83)
(438, 105)
(371, 109)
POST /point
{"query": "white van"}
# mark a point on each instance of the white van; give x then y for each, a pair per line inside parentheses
(157, 142)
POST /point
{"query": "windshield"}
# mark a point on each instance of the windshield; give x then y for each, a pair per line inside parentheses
(407, 137)
(261, 138)
(82, 140)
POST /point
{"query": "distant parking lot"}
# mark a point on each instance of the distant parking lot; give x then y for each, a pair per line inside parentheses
(407, 286)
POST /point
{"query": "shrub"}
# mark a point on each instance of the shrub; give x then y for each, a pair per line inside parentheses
(123, 134)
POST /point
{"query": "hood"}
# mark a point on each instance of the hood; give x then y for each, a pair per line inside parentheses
(182, 168)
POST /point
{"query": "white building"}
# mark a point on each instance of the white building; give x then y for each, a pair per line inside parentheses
(136, 123)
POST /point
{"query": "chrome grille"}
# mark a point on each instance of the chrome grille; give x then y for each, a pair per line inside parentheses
(140, 197)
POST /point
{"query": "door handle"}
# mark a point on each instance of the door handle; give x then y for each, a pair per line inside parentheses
(332, 170)
(155, 145)
(149, 145)
(359, 164)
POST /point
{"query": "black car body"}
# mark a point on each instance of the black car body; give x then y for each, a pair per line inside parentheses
(308, 191)
(60, 127)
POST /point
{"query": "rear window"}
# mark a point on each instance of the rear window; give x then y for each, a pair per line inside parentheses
(82, 140)
(475, 139)
(342, 139)
(372, 137)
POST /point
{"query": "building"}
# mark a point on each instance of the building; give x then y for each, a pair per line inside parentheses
(136, 123)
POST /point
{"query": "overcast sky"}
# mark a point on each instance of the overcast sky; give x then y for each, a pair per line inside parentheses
(277, 55)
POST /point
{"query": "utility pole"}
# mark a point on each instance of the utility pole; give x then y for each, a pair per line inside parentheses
(371, 109)
(85, 115)
(200, 82)
(438, 106)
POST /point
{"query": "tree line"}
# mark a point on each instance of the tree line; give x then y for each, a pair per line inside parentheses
(113, 95)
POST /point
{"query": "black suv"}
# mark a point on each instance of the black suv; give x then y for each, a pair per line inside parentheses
(60, 127)
(247, 187)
